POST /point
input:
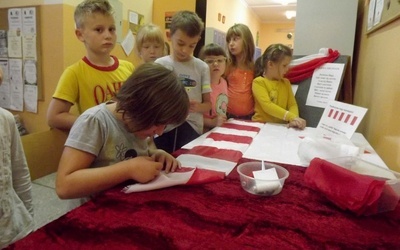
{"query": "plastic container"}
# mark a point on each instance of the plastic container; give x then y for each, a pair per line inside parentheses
(391, 194)
(261, 187)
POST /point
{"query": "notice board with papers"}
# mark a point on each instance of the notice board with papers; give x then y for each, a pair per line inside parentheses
(4, 26)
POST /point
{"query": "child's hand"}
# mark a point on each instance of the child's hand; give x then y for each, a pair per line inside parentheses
(168, 161)
(220, 119)
(297, 123)
(144, 169)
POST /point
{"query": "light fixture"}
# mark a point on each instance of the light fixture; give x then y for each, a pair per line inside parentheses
(284, 2)
(290, 13)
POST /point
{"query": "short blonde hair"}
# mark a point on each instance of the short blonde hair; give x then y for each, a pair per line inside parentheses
(149, 33)
(88, 7)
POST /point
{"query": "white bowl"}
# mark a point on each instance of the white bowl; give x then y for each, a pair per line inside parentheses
(261, 187)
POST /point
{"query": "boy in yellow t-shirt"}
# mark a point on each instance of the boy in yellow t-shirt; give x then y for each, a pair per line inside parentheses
(96, 77)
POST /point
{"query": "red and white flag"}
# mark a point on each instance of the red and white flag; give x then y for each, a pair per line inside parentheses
(208, 158)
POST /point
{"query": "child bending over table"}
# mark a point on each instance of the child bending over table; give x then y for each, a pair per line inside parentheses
(273, 95)
(113, 142)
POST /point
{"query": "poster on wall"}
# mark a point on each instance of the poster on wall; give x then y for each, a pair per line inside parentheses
(15, 19)
(135, 21)
(5, 86)
(29, 21)
(16, 84)
(371, 12)
(3, 44)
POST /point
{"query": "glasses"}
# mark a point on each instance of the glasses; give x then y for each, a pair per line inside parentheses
(218, 61)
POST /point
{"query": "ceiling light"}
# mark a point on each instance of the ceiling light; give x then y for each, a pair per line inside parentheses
(284, 2)
(290, 13)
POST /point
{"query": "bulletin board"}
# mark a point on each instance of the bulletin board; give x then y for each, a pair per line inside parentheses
(4, 26)
(378, 17)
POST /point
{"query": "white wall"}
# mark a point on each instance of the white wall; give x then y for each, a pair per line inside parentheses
(325, 24)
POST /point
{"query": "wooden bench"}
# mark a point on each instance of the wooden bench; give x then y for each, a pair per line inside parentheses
(43, 151)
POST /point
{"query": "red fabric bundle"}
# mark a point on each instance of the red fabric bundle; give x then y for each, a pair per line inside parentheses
(345, 188)
(305, 70)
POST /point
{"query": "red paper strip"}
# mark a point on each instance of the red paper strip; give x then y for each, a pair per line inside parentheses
(230, 138)
(213, 152)
(240, 127)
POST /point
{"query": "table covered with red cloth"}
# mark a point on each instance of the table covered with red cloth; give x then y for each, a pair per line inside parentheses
(218, 215)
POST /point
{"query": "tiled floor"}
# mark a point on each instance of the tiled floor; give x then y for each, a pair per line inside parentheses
(47, 205)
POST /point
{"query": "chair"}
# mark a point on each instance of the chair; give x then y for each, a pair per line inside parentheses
(43, 151)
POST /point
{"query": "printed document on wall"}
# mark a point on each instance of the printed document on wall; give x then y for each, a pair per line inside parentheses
(16, 84)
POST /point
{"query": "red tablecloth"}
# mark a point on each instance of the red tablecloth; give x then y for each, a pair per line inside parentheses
(219, 215)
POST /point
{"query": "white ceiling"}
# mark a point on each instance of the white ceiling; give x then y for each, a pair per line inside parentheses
(272, 11)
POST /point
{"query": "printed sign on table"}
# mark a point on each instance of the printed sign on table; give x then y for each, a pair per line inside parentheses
(341, 119)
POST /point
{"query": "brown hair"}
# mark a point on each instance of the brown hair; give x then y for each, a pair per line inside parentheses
(89, 7)
(187, 21)
(211, 49)
(152, 95)
(241, 30)
(274, 53)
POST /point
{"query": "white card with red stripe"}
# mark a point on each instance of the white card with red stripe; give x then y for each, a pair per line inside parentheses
(340, 119)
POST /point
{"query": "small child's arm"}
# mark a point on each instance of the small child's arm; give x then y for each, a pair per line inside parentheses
(76, 179)
(58, 115)
(201, 107)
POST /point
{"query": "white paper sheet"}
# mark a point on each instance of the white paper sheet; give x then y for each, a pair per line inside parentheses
(162, 181)
(29, 21)
(16, 84)
(5, 86)
(128, 43)
(15, 19)
(277, 143)
(197, 161)
(324, 84)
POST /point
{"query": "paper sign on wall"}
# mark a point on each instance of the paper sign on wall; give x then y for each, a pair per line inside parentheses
(341, 119)
(324, 84)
